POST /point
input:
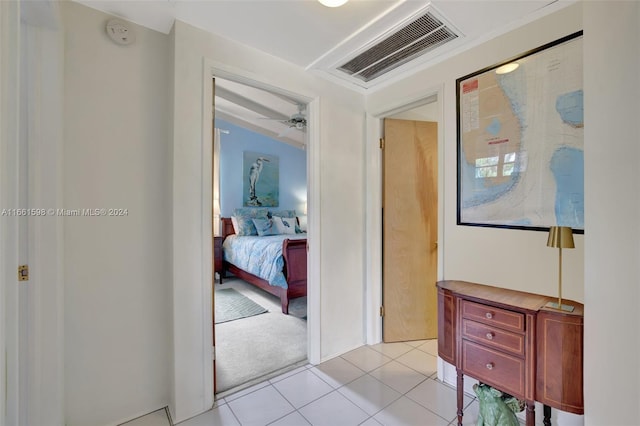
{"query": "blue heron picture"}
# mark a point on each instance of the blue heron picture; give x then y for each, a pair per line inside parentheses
(261, 174)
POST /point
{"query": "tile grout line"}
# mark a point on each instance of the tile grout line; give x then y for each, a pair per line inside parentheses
(367, 373)
(339, 386)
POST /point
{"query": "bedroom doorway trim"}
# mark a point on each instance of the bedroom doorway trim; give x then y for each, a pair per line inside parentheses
(375, 123)
(31, 85)
(31, 330)
(212, 70)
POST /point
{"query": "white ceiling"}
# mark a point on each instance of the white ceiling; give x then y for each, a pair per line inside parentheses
(316, 37)
(258, 110)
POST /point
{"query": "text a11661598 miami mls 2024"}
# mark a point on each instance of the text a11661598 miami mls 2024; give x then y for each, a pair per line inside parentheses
(62, 212)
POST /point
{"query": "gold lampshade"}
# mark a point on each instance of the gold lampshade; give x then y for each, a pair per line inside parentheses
(560, 237)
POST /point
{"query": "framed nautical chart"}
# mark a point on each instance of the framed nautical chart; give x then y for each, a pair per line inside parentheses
(520, 141)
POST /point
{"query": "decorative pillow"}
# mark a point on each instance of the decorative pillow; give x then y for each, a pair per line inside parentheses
(245, 226)
(285, 225)
(265, 227)
(234, 222)
(302, 223)
(283, 213)
(251, 212)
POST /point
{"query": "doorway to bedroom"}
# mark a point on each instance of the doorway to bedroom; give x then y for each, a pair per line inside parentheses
(260, 179)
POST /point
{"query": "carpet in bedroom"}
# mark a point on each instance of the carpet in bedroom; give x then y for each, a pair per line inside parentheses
(232, 305)
(256, 346)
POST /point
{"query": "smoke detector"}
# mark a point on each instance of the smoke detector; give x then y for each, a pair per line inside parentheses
(119, 32)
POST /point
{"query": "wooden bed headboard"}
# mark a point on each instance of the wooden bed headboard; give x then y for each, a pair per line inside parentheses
(227, 227)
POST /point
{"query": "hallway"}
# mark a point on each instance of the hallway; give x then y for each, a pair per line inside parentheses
(390, 384)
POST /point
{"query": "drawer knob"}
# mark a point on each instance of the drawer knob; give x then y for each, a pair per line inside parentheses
(490, 335)
(490, 366)
(489, 315)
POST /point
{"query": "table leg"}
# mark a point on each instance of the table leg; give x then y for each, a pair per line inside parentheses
(531, 413)
(460, 389)
(547, 416)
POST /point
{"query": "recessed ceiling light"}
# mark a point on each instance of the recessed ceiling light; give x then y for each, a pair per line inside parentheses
(333, 3)
(507, 68)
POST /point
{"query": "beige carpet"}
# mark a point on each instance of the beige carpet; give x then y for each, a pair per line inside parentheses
(253, 347)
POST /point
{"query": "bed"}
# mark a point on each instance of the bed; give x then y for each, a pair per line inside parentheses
(288, 283)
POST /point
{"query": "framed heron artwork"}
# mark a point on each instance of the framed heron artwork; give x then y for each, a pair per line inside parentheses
(261, 176)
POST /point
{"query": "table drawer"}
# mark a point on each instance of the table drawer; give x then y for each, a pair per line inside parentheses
(493, 337)
(497, 317)
(495, 368)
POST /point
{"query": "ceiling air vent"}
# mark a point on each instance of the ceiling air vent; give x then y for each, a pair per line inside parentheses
(420, 36)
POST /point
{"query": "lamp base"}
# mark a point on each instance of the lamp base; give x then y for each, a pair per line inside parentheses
(553, 305)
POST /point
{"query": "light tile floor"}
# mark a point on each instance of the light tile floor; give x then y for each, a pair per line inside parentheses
(391, 384)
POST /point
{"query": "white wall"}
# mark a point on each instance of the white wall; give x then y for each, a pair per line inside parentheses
(518, 259)
(603, 269)
(612, 254)
(117, 269)
(339, 242)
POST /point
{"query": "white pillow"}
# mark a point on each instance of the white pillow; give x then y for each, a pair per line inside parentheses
(234, 222)
(302, 223)
(285, 225)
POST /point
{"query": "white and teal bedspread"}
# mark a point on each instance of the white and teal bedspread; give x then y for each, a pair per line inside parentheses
(260, 256)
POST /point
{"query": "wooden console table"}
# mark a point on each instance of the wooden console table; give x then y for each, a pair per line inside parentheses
(509, 340)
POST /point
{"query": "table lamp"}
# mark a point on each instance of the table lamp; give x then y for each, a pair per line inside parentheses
(560, 237)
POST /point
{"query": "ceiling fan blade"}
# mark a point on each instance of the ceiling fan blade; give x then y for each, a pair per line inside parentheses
(273, 119)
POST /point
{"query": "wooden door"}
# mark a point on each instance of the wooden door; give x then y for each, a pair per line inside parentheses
(410, 230)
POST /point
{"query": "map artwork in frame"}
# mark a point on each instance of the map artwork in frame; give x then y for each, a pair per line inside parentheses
(520, 141)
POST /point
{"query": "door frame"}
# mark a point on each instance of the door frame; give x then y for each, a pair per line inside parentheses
(212, 70)
(31, 82)
(373, 223)
(9, 132)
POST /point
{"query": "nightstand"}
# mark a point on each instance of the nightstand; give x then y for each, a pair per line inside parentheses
(217, 256)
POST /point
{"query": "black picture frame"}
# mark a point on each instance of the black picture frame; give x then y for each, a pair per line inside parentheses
(514, 147)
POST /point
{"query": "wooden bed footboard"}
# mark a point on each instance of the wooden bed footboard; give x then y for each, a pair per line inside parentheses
(295, 269)
(294, 253)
